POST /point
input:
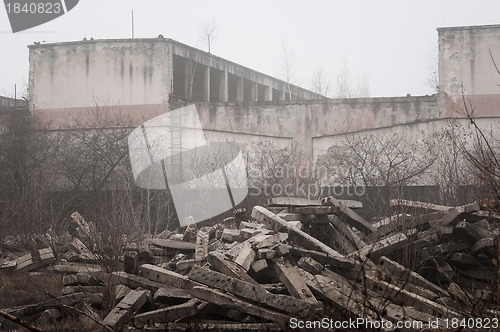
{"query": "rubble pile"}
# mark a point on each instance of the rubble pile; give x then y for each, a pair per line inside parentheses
(296, 260)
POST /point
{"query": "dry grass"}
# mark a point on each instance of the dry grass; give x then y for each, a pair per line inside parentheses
(28, 288)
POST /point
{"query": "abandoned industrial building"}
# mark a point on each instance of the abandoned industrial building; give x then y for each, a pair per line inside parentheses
(408, 251)
(147, 77)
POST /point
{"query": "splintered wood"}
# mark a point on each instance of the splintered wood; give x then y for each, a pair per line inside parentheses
(295, 259)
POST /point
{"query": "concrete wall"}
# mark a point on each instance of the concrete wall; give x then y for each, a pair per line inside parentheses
(83, 74)
(311, 125)
(146, 77)
(139, 77)
(465, 61)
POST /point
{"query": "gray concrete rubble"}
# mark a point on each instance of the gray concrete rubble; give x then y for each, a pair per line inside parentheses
(290, 260)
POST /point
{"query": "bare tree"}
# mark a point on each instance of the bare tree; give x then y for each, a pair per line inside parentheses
(288, 64)
(347, 87)
(386, 162)
(320, 83)
(432, 79)
(208, 33)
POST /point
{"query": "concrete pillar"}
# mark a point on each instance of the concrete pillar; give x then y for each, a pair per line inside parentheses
(255, 92)
(239, 90)
(269, 93)
(223, 87)
(188, 74)
(206, 87)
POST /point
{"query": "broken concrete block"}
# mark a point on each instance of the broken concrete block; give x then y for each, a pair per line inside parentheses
(120, 292)
(131, 262)
(125, 309)
(231, 235)
(77, 279)
(201, 250)
(171, 296)
(168, 314)
(35, 260)
(246, 257)
(259, 265)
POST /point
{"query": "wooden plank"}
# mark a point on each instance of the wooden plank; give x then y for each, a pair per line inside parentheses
(201, 250)
(124, 310)
(295, 284)
(252, 292)
(168, 314)
(227, 301)
(349, 216)
(223, 264)
(262, 215)
(382, 247)
(401, 272)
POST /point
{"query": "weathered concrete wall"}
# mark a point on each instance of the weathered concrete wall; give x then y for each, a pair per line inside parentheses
(465, 61)
(89, 73)
(308, 123)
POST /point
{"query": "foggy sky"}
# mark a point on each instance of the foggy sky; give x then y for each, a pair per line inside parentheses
(391, 44)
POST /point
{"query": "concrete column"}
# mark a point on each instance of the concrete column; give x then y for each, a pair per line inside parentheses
(255, 92)
(239, 90)
(223, 87)
(206, 87)
(269, 93)
(188, 74)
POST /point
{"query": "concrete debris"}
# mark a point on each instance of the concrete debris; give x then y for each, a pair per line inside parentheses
(295, 259)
